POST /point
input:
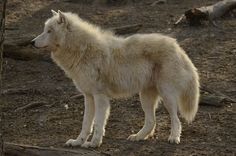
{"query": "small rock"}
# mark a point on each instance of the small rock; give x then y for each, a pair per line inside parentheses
(66, 106)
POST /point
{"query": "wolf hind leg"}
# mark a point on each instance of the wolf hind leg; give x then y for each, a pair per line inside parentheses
(170, 98)
(149, 100)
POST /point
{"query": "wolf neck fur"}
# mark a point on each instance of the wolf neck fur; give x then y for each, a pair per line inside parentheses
(72, 54)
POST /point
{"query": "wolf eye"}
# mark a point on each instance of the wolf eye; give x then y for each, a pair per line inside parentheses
(49, 31)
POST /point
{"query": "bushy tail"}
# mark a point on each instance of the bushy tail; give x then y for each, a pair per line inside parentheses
(188, 106)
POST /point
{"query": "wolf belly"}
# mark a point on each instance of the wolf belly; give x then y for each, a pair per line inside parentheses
(128, 78)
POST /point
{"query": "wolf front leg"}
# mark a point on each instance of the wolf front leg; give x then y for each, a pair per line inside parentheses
(87, 122)
(102, 111)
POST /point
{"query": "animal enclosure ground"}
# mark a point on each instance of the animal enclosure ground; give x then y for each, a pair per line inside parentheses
(59, 116)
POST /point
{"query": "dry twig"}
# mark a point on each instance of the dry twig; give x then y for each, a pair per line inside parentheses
(32, 105)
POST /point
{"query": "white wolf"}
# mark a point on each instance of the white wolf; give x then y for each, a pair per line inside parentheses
(104, 66)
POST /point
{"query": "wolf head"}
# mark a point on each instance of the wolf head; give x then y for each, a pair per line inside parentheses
(54, 31)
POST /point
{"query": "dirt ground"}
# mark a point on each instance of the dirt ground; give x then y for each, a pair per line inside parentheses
(212, 50)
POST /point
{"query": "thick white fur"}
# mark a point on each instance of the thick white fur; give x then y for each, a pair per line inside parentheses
(105, 66)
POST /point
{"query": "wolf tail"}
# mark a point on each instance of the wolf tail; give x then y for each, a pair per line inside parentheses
(189, 99)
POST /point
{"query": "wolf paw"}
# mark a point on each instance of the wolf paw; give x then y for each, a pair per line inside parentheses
(90, 144)
(135, 137)
(72, 142)
(174, 139)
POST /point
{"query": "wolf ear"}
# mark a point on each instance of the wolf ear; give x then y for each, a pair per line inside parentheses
(54, 13)
(62, 17)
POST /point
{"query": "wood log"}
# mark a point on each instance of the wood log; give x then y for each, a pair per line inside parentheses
(211, 97)
(12, 149)
(25, 53)
(19, 41)
(128, 29)
(194, 16)
(212, 100)
(205, 89)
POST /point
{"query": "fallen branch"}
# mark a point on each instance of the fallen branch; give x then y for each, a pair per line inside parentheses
(27, 150)
(194, 16)
(32, 105)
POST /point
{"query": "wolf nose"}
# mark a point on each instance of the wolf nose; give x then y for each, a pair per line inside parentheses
(32, 42)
